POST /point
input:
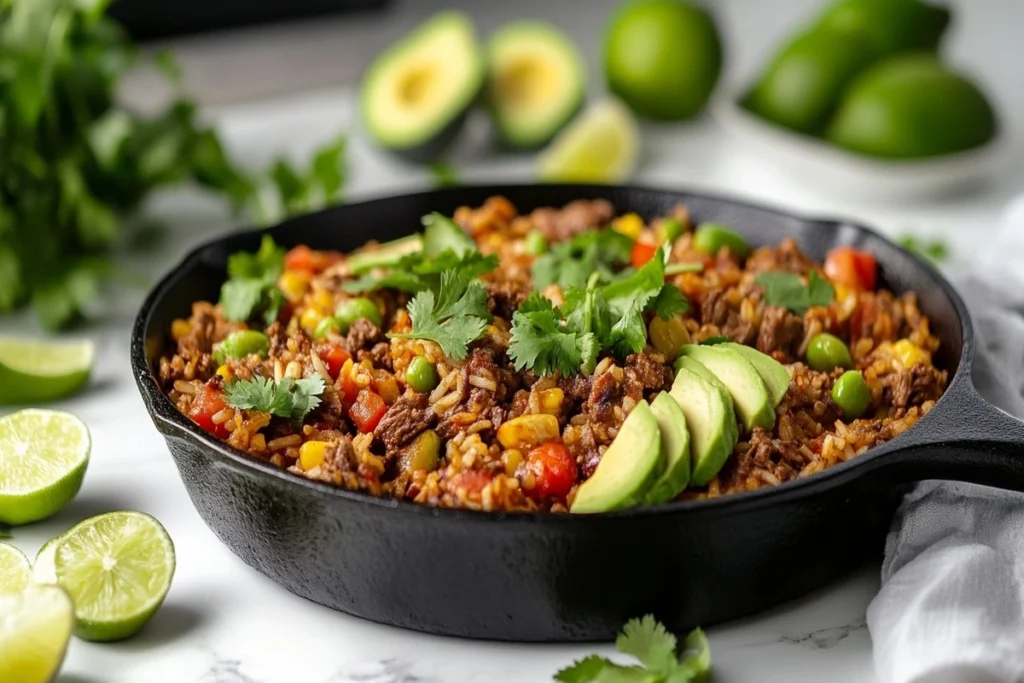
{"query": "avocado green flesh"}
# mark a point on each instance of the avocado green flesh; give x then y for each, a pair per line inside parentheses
(749, 393)
(675, 449)
(776, 377)
(417, 90)
(708, 418)
(627, 469)
(387, 254)
(697, 368)
(536, 82)
(443, 233)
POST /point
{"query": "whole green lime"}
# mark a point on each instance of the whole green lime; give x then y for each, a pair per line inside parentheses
(662, 57)
(892, 25)
(803, 83)
(909, 106)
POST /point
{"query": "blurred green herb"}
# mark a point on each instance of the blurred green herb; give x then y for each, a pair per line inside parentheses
(935, 251)
(444, 174)
(789, 291)
(76, 164)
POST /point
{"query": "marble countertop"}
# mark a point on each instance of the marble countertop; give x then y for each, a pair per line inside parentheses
(225, 623)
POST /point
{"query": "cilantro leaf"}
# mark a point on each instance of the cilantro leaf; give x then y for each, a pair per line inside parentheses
(594, 669)
(453, 318)
(570, 264)
(444, 174)
(284, 398)
(647, 640)
(539, 341)
(936, 251)
(696, 656)
(252, 283)
(669, 302)
(629, 297)
(788, 291)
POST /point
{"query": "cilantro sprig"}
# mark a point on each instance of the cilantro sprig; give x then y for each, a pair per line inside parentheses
(454, 317)
(570, 264)
(789, 291)
(286, 397)
(936, 250)
(540, 340)
(252, 283)
(661, 659)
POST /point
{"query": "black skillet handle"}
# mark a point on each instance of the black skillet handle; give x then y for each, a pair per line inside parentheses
(963, 438)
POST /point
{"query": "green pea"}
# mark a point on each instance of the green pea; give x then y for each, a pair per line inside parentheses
(670, 229)
(827, 351)
(324, 326)
(711, 237)
(536, 243)
(421, 375)
(353, 309)
(240, 344)
(851, 393)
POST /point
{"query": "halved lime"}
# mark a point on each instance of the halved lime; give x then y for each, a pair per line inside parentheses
(117, 567)
(45, 453)
(44, 569)
(14, 569)
(32, 370)
(35, 627)
(601, 146)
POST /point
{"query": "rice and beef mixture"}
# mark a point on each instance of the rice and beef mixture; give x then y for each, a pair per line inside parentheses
(406, 379)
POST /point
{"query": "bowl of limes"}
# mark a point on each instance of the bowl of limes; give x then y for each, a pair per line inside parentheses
(862, 100)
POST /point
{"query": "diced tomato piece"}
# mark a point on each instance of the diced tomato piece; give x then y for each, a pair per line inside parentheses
(367, 411)
(349, 389)
(641, 254)
(472, 481)
(205, 405)
(554, 470)
(334, 356)
(852, 268)
(304, 258)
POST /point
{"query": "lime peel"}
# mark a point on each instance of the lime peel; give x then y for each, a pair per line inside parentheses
(33, 370)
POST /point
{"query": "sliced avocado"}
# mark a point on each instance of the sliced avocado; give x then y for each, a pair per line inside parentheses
(675, 449)
(696, 367)
(627, 469)
(441, 232)
(383, 255)
(708, 418)
(775, 375)
(749, 394)
(415, 95)
(536, 83)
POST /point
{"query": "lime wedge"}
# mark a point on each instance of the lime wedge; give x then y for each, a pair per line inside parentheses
(32, 370)
(14, 569)
(600, 146)
(35, 627)
(45, 453)
(43, 569)
(117, 568)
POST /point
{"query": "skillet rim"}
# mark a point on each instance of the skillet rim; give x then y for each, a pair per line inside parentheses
(220, 454)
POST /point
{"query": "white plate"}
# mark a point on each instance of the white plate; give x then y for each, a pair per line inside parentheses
(822, 164)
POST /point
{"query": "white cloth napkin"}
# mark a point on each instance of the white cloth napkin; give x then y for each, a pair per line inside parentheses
(951, 607)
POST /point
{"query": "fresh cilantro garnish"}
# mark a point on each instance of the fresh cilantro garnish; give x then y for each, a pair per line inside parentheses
(444, 174)
(284, 398)
(935, 251)
(454, 317)
(789, 291)
(252, 283)
(540, 341)
(712, 341)
(668, 302)
(570, 264)
(656, 650)
(629, 297)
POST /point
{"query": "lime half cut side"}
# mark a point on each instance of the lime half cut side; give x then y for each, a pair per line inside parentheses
(117, 568)
(600, 146)
(45, 453)
(32, 370)
(35, 627)
(44, 569)
(14, 569)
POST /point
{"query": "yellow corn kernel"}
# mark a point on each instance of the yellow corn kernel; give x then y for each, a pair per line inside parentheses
(910, 354)
(225, 372)
(550, 400)
(310, 318)
(630, 225)
(511, 458)
(527, 431)
(668, 336)
(180, 329)
(323, 301)
(293, 284)
(311, 454)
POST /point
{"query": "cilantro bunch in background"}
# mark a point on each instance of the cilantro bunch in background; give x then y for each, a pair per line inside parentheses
(76, 164)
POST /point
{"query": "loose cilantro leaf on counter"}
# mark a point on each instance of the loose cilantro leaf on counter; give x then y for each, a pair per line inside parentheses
(284, 398)
(656, 649)
(453, 317)
(936, 251)
(444, 174)
(789, 291)
(570, 264)
(252, 283)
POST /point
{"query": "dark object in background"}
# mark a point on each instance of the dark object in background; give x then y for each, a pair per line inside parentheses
(562, 577)
(147, 19)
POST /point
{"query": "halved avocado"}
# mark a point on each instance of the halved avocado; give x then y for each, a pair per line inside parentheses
(749, 393)
(415, 95)
(708, 418)
(675, 450)
(536, 83)
(627, 469)
(383, 255)
(775, 375)
(696, 367)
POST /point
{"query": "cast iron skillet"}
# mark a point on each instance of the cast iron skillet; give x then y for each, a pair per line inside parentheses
(552, 577)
